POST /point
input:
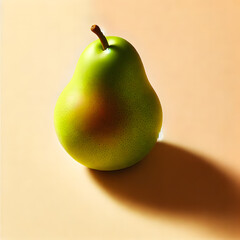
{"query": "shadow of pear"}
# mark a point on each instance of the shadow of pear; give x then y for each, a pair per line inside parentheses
(174, 180)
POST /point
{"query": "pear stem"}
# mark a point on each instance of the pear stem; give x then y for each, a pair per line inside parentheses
(96, 29)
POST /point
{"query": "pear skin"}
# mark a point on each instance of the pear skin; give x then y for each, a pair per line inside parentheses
(108, 117)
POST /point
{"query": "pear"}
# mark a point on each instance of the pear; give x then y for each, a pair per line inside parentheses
(108, 117)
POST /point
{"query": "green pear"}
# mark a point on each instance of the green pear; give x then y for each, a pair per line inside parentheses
(108, 117)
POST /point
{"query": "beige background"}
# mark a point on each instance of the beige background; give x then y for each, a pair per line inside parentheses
(187, 187)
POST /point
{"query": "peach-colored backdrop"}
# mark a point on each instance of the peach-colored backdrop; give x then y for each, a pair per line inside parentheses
(187, 187)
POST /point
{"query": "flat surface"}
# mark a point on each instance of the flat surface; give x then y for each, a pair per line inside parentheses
(187, 187)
